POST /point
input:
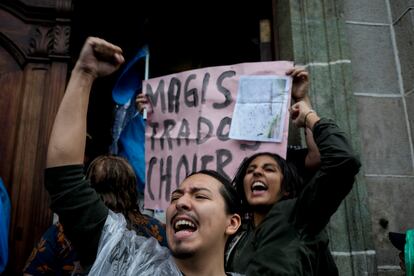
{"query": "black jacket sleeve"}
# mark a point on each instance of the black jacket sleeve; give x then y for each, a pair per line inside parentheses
(79, 208)
(324, 193)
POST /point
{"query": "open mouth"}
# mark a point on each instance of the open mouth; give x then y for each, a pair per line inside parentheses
(259, 187)
(184, 225)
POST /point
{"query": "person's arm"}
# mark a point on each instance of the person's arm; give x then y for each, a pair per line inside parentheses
(333, 181)
(67, 141)
(300, 92)
(80, 210)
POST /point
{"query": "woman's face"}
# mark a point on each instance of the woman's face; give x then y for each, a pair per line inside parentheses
(263, 182)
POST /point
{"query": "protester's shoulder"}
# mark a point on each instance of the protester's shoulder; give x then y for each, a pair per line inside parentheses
(148, 226)
(53, 231)
(157, 230)
(154, 221)
(280, 213)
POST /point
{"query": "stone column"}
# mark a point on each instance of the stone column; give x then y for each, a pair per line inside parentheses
(311, 33)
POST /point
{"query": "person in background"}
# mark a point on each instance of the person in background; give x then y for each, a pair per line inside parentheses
(398, 241)
(114, 180)
(404, 242)
(284, 231)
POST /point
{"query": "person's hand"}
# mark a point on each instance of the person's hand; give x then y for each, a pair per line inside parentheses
(300, 85)
(99, 58)
(141, 102)
(302, 115)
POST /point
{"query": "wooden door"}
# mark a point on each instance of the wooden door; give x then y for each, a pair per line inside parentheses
(34, 56)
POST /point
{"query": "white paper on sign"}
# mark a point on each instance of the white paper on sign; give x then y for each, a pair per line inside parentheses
(260, 109)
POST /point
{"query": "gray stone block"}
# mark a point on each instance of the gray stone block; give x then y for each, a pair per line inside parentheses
(344, 264)
(373, 60)
(389, 272)
(399, 7)
(410, 107)
(390, 199)
(373, 11)
(383, 127)
(404, 34)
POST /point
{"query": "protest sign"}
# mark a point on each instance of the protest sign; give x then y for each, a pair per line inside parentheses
(189, 123)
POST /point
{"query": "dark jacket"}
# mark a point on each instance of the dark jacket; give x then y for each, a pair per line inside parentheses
(291, 240)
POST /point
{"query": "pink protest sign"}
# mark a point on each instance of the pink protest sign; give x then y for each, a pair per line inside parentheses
(190, 118)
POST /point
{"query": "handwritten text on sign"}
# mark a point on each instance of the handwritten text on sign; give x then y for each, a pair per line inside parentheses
(188, 126)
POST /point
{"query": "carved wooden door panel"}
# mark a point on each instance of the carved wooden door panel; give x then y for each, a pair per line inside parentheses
(34, 41)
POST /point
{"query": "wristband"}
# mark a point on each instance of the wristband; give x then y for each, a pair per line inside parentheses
(306, 116)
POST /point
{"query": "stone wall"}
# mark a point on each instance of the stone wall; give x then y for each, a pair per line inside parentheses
(380, 34)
